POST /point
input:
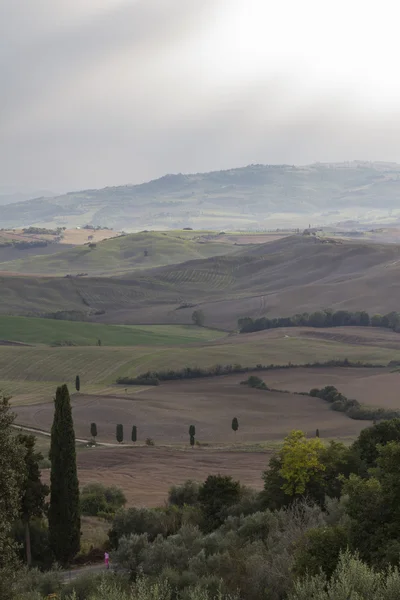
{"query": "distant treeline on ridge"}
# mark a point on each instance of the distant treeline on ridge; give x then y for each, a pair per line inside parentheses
(323, 318)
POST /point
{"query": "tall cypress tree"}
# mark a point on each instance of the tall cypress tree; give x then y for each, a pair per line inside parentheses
(64, 512)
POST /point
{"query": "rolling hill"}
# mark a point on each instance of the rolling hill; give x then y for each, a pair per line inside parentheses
(252, 197)
(120, 255)
(293, 274)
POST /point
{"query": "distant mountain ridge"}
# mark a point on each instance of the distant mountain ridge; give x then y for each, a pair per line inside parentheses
(252, 197)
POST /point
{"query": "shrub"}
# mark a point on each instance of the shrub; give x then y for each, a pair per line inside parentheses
(255, 382)
(351, 579)
(185, 494)
(96, 499)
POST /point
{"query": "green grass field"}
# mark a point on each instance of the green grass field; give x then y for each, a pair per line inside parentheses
(31, 374)
(30, 330)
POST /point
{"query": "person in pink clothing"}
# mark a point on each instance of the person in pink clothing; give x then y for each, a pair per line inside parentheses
(107, 560)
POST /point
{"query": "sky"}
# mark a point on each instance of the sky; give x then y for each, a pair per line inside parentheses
(111, 92)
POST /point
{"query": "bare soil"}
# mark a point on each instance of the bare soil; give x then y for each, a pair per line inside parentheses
(164, 413)
(146, 474)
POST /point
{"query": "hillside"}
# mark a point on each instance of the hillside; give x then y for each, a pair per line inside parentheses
(252, 197)
(119, 255)
(280, 278)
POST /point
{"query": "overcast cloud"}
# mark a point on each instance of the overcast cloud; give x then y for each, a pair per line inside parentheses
(108, 92)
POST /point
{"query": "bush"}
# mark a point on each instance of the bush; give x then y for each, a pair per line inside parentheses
(351, 579)
(97, 499)
(320, 549)
(185, 494)
(145, 521)
(255, 382)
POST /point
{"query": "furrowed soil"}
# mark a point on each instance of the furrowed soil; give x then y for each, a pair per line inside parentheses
(146, 474)
(164, 413)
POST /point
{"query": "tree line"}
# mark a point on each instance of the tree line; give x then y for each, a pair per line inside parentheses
(338, 401)
(322, 318)
(155, 377)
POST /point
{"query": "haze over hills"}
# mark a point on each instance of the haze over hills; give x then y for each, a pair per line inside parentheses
(252, 197)
(280, 278)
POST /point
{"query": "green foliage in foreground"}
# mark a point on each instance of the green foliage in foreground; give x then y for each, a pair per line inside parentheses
(351, 580)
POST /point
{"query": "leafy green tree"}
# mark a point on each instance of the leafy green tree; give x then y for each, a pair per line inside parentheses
(301, 460)
(187, 493)
(93, 430)
(320, 549)
(119, 433)
(368, 442)
(64, 511)
(77, 383)
(235, 424)
(216, 494)
(134, 433)
(192, 430)
(198, 318)
(34, 492)
(12, 473)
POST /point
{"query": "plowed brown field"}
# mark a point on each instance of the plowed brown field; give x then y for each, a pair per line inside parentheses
(164, 413)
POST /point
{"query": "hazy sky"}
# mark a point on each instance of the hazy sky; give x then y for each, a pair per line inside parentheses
(108, 92)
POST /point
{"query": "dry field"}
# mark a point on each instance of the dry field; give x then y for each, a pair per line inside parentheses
(73, 237)
(146, 474)
(164, 413)
(373, 387)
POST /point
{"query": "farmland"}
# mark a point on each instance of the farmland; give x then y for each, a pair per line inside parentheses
(52, 332)
(165, 412)
(30, 373)
(121, 254)
(129, 468)
(279, 278)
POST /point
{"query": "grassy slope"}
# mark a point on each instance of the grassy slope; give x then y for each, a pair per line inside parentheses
(120, 255)
(49, 331)
(280, 278)
(31, 374)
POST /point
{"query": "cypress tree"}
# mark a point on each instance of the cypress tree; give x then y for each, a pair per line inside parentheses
(64, 511)
(77, 383)
(134, 433)
(93, 430)
(119, 433)
(235, 424)
(192, 433)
